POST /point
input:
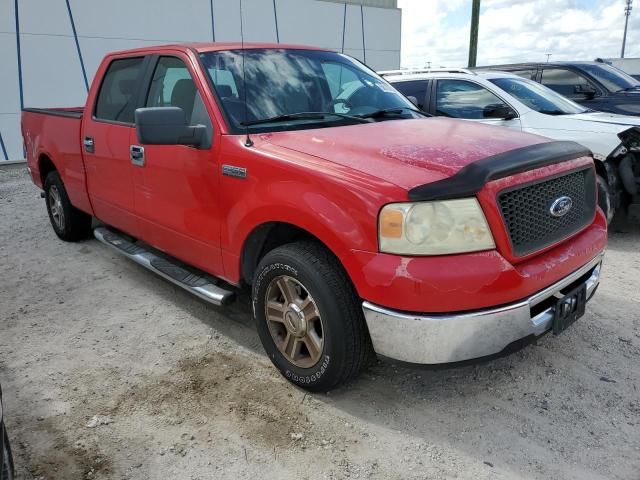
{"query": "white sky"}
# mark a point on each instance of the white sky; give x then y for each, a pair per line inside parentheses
(516, 31)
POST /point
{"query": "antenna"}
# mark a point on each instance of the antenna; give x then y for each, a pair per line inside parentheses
(247, 142)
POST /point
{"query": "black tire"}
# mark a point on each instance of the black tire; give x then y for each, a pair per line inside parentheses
(605, 201)
(6, 461)
(346, 345)
(69, 223)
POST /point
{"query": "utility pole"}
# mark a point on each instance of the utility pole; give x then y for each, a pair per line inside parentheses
(548, 55)
(473, 37)
(627, 13)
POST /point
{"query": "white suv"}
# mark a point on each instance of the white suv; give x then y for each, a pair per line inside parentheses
(511, 101)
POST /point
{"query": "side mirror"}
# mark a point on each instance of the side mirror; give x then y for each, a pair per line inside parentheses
(584, 89)
(167, 126)
(499, 111)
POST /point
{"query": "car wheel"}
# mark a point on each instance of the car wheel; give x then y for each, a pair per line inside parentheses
(309, 317)
(69, 223)
(605, 202)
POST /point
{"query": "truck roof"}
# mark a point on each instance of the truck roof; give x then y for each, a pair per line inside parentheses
(202, 47)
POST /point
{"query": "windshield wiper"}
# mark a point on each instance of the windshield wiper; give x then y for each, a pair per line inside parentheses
(392, 111)
(303, 116)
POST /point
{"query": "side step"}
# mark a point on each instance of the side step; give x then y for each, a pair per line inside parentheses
(194, 281)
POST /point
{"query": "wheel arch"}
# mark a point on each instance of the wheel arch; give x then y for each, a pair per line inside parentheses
(45, 166)
(270, 235)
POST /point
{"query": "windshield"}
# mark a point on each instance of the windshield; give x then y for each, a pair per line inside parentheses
(287, 83)
(612, 78)
(538, 97)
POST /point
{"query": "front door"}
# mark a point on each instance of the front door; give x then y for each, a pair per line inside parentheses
(176, 186)
(106, 137)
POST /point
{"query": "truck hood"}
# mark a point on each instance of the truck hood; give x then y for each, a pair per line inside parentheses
(405, 152)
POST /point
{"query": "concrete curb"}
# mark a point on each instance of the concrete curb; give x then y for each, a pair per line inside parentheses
(12, 162)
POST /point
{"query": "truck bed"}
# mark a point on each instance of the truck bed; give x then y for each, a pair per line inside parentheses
(52, 135)
(72, 112)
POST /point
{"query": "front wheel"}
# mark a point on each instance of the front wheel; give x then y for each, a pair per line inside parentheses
(308, 316)
(605, 202)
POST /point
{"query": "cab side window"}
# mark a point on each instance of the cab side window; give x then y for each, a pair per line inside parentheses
(173, 86)
(116, 100)
(564, 81)
(462, 99)
(417, 89)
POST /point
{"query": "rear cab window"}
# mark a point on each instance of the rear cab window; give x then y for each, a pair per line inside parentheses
(116, 101)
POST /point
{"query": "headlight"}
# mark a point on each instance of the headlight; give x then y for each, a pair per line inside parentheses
(434, 228)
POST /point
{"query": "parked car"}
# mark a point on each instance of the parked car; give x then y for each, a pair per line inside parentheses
(427, 240)
(507, 100)
(6, 459)
(630, 66)
(594, 85)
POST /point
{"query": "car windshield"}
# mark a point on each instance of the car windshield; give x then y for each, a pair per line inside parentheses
(612, 78)
(538, 97)
(289, 89)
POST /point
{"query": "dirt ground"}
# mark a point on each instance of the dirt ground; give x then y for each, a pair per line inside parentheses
(110, 372)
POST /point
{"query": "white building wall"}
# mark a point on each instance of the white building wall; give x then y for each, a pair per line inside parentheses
(52, 73)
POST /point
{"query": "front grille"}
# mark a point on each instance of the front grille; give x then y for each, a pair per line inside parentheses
(526, 210)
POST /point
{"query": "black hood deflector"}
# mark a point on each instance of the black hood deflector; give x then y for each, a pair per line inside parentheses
(470, 179)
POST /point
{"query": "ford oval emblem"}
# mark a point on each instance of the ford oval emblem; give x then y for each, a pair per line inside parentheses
(561, 206)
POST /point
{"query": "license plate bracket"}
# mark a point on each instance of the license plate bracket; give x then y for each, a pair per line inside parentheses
(569, 308)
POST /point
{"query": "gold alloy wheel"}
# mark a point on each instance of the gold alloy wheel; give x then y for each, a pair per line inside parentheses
(55, 205)
(294, 321)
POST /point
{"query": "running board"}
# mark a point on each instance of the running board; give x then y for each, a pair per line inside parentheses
(194, 281)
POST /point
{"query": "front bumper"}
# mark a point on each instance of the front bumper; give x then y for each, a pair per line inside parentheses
(433, 339)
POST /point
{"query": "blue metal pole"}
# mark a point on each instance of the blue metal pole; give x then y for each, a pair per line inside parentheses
(75, 36)
(19, 57)
(4, 149)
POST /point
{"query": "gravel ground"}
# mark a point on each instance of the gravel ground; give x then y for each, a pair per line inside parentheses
(111, 372)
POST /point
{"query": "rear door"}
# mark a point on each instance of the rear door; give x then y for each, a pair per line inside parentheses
(107, 132)
(176, 186)
(458, 98)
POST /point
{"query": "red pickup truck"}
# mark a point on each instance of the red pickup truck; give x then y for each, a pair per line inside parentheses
(359, 224)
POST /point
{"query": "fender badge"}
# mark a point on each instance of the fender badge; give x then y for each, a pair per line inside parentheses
(233, 171)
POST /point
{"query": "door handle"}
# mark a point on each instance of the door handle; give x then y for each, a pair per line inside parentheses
(137, 155)
(88, 144)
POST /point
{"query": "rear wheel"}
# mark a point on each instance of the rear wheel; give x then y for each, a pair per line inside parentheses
(309, 318)
(69, 223)
(605, 201)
